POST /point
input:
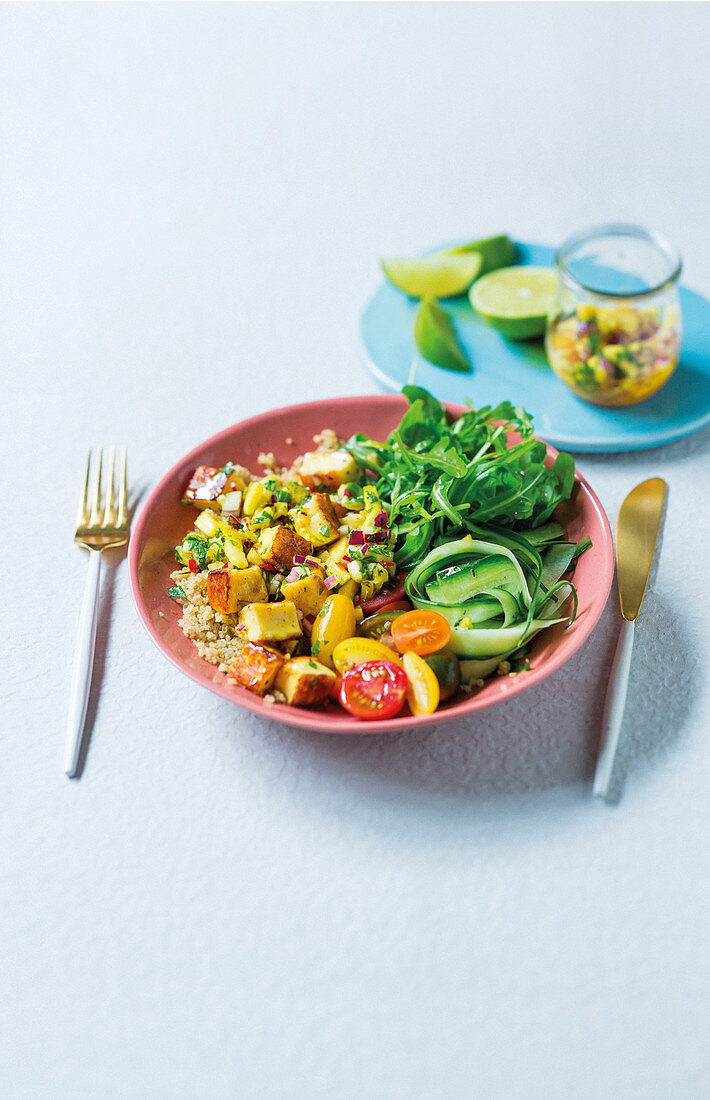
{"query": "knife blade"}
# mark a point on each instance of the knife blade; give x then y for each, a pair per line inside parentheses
(637, 529)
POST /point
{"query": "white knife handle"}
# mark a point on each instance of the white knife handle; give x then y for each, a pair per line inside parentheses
(83, 666)
(614, 709)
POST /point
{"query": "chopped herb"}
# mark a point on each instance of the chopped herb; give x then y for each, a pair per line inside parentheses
(325, 529)
(198, 545)
(176, 590)
(312, 664)
(315, 648)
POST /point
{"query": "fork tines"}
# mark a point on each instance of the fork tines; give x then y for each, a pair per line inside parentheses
(111, 515)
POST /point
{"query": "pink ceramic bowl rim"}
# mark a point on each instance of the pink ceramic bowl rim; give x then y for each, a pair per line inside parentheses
(336, 720)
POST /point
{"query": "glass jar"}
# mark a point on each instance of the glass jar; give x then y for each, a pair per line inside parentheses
(614, 333)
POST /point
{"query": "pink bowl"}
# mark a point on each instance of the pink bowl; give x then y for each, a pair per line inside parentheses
(163, 522)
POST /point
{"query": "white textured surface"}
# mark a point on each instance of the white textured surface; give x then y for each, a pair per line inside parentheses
(192, 201)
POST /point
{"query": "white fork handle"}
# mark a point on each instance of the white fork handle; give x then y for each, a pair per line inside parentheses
(83, 666)
(614, 709)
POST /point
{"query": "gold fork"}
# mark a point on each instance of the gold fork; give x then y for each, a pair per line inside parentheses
(97, 530)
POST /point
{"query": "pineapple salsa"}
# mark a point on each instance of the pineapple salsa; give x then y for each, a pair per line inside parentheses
(374, 574)
(615, 355)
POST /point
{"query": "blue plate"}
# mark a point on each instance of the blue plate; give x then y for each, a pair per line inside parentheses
(504, 370)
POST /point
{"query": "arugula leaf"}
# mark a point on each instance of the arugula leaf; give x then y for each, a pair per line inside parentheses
(438, 479)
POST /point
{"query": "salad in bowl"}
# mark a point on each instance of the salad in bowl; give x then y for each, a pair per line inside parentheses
(377, 578)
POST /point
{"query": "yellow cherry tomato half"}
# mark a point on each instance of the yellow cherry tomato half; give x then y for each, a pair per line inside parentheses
(420, 631)
(355, 651)
(334, 623)
(423, 692)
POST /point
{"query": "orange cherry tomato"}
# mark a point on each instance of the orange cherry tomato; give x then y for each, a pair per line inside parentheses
(420, 632)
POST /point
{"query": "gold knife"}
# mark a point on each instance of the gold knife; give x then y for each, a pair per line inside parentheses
(636, 534)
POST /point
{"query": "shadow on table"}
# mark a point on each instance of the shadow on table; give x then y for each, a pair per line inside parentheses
(545, 738)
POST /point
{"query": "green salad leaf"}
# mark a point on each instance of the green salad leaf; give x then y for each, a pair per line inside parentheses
(441, 480)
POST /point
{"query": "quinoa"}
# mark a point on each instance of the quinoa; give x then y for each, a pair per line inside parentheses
(215, 635)
(326, 441)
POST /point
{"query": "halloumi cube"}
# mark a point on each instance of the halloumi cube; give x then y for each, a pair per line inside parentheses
(277, 547)
(256, 667)
(228, 589)
(304, 681)
(271, 622)
(329, 469)
(308, 593)
(205, 485)
(317, 520)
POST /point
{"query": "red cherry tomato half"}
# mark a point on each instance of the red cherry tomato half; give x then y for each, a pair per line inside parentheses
(375, 689)
(383, 599)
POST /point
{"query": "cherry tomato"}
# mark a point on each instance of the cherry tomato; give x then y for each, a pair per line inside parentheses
(375, 689)
(334, 623)
(420, 632)
(356, 651)
(423, 691)
(374, 626)
(385, 597)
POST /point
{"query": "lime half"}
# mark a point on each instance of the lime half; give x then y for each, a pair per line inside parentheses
(440, 275)
(494, 251)
(516, 300)
(436, 339)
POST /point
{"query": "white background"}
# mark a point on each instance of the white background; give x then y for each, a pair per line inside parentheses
(193, 202)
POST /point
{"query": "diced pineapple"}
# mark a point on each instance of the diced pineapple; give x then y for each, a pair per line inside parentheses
(228, 589)
(350, 588)
(232, 502)
(279, 545)
(257, 496)
(304, 681)
(329, 469)
(317, 520)
(234, 553)
(205, 486)
(238, 480)
(256, 667)
(332, 558)
(308, 593)
(207, 523)
(266, 517)
(271, 622)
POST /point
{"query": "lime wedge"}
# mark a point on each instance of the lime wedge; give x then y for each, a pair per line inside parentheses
(436, 339)
(440, 275)
(494, 251)
(516, 300)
